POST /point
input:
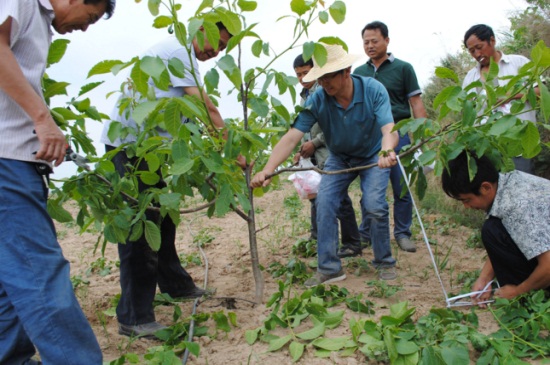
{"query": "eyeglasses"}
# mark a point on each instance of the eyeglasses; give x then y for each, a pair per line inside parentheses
(329, 76)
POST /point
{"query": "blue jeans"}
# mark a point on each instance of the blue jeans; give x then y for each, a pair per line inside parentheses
(402, 205)
(333, 190)
(37, 302)
(348, 224)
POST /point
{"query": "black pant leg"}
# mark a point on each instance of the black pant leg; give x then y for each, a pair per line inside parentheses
(509, 263)
(172, 277)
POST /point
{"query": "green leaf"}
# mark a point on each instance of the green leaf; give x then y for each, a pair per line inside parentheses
(296, 350)
(229, 67)
(251, 336)
(170, 200)
(140, 78)
(143, 110)
(257, 47)
(82, 105)
(56, 88)
(221, 321)
(88, 87)
(406, 347)
(103, 67)
(212, 34)
(455, 355)
(320, 54)
(162, 21)
(544, 101)
(205, 4)
(58, 213)
(493, 71)
(182, 166)
(247, 5)
(446, 73)
(468, 114)
(213, 164)
(224, 200)
(153, 66)
(149, 178)
(530, 141)
(330, 344)
(502, 125)
(338, 11)
(323, 17)
(193, 347)
(152, 235)
(154, 7)
(299, 7)
(179, 150)
(308, 49)
(176, 67)
(172, 117)
(259, 106)
(442, 97)
(231, 21)
(153, 162)
(57, 51)
(278, 343)
(313, 333)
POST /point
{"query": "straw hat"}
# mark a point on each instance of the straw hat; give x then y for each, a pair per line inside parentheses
(337, 59)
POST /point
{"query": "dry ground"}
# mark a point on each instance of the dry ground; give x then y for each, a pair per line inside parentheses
(229, 273)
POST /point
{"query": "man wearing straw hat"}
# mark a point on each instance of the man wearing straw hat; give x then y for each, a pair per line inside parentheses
(354, 113)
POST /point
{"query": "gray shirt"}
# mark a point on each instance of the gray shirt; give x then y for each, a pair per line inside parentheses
(30, 40)
(522, 202)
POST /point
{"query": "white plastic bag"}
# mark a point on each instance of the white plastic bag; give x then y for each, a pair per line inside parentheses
(306, 182)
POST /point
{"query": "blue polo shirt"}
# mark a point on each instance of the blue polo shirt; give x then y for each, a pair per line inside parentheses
(354, 131)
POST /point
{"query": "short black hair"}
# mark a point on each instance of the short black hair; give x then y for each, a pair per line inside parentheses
(456, 179)
(481, 31)
(376, 25)
(109, 6)
(299, 62)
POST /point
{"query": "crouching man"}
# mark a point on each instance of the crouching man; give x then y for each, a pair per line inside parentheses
(516, 233)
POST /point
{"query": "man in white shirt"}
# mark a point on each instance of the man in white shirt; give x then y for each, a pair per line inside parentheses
(480, 42)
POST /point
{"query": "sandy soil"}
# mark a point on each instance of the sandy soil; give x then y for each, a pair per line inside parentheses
(229, 273)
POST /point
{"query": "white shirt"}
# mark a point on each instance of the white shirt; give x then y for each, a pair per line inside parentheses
(30, 40)
(508, 65)
(167, 49)
(522, 202)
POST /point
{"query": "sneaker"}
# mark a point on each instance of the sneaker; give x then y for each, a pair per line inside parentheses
(387, 273)
(348, 252)
(319, 278)
(406, 244)
(146, 330)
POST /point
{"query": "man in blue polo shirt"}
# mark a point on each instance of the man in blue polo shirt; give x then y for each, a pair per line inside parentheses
(400, 80)
(354, 113)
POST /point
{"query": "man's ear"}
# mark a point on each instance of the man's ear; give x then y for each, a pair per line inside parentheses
(486, 187)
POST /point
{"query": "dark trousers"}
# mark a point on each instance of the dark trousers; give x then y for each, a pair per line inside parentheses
(141, 268)
(348, 224)
(509, 263)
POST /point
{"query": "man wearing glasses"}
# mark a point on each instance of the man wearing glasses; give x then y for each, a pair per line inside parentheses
(354, 113)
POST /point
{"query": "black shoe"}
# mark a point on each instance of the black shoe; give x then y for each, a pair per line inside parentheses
(194, 293)
(348, 252)
(146, 330)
